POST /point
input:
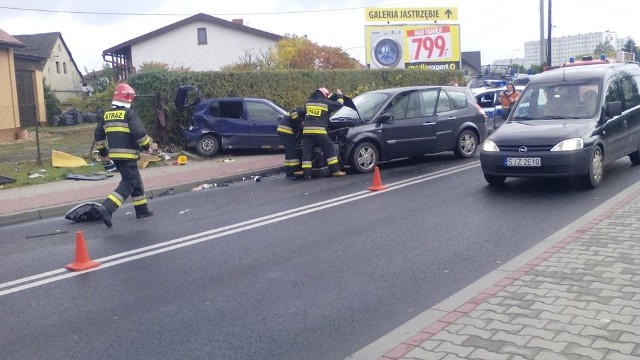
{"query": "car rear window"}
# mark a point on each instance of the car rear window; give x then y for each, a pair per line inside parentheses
(459, 98)
(226, 109)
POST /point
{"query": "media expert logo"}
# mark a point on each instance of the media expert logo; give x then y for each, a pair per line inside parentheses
(432, 66)
(411, 14)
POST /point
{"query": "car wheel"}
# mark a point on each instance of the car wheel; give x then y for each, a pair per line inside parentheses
(635, 157)
(466, 145)
(596, 169)
(364, 157)
(494, 179)
(208, 145)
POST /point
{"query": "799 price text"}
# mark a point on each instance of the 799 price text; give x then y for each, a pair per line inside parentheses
(429, 44)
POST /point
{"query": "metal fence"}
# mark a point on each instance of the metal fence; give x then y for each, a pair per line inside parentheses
(52, 133)
(25, 139)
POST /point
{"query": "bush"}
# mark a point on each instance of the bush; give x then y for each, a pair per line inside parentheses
(287, 88)
(52, 104)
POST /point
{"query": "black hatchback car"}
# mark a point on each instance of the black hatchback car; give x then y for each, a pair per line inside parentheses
(408, 121)
(569, 122)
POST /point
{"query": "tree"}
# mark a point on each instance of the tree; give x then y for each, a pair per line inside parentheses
(295, 52)
(252, 61)
(536, 69)
(335, 58)
(604, 48)
(51, 102)
(153, 66)
(630, 47)
(301, 53)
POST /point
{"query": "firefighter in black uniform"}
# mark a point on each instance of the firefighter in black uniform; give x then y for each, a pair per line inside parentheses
(290, 129)
(122, 130)
(318, 109)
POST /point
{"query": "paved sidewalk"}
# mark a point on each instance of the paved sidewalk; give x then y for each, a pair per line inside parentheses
(576, 295)
(55, 199)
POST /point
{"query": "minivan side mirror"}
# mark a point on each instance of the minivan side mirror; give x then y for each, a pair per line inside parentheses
(614, 108)
(386, 118)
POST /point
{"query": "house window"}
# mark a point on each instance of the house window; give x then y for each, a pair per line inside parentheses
(58, 66)
(64, 67)
(202, 36)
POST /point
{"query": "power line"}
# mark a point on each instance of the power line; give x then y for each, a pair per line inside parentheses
(179, 14)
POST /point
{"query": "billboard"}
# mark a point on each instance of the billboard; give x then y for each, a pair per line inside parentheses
(429, 47)
(410, 14)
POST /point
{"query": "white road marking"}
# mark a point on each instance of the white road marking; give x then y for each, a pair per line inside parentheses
(127, 256)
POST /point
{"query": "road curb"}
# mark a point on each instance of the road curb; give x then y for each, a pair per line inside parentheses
(61, 209)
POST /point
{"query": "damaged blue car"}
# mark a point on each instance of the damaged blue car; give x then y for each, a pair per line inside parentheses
(229, 123)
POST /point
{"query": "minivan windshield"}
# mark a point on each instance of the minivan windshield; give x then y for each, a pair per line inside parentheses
(565, 100)
(368, 105)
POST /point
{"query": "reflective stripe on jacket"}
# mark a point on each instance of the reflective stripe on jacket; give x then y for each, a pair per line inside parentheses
(121, 129)
(317, 114)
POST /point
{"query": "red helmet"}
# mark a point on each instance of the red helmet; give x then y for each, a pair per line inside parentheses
(325, 91)
(123, 95)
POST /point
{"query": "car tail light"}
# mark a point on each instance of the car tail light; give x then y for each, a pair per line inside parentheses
(481, 111)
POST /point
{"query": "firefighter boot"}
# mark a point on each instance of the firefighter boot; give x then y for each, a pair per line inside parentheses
(105, 215)
(298, 175)
(339, 173)
(142, 211)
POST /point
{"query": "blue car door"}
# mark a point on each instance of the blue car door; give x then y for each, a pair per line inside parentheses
(263, 120)
(229, 121)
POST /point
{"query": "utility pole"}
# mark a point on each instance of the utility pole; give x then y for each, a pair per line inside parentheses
(549, 26)
(542, 56)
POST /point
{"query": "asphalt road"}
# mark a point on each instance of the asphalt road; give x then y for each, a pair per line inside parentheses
(275, 269)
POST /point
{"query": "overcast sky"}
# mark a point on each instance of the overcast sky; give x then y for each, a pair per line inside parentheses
(498, 29)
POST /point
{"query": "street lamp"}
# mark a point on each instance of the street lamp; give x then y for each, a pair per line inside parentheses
(549, 26)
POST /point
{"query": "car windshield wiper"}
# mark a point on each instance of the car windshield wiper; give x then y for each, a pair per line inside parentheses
(524, 118)
(557, 117)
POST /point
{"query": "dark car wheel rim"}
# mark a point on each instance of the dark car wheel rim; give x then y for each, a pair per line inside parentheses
(366, 157)
(468, 144)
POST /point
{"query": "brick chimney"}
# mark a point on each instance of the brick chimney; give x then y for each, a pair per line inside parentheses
(238, 21)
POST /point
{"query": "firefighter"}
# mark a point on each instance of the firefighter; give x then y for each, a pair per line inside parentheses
(318, 109)
(121, 129)
(289, 130)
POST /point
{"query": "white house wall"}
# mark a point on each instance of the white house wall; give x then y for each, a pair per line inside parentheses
(65, 84)
(180, 48)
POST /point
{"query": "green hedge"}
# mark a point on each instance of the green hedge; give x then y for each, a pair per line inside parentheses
(288, 88)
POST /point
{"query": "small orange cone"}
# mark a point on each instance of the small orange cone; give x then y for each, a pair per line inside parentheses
(377, 182)
(82, 262)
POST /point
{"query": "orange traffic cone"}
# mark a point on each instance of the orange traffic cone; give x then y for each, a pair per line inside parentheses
(82, 262)
(377, 182)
